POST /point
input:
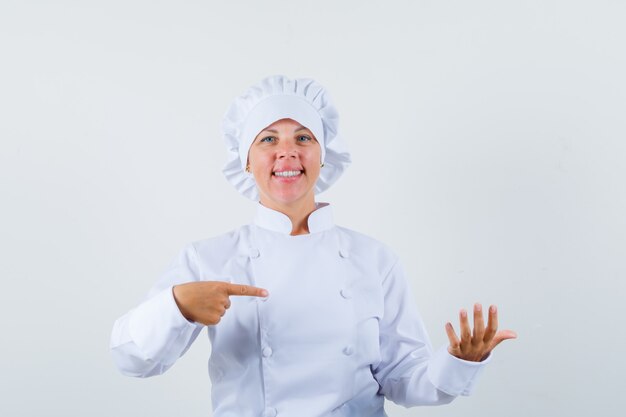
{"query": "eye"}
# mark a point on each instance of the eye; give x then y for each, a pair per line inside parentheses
(304, 138)
(268, 139)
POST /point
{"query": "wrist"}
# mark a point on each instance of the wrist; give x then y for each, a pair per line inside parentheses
(178, 292)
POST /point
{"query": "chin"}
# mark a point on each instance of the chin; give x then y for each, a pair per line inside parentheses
(288, 197)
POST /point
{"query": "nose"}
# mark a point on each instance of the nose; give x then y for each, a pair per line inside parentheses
(287, 150)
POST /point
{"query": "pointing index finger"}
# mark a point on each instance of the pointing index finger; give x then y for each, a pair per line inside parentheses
(248, 290)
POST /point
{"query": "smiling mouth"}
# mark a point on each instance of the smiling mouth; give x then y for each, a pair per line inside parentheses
(287, 174)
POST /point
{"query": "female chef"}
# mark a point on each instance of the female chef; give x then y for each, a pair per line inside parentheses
(305, 318)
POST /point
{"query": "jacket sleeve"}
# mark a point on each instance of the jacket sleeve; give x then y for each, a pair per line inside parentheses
(148, 339)
(410, 373)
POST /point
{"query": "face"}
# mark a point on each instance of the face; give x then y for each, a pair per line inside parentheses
(285, 161)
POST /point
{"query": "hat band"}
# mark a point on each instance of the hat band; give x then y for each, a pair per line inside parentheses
(275, 108)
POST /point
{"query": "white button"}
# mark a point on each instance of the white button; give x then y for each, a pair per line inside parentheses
(348, 350)
(270, 412)
(343, 253)
(346, 293)
(254, 253)
(267, 352)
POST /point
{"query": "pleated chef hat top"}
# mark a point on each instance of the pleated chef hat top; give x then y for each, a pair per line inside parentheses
(274, 98)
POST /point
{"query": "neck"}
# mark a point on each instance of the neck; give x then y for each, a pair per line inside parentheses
(298, 212)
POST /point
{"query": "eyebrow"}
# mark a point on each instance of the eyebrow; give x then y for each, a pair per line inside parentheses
(276, 131)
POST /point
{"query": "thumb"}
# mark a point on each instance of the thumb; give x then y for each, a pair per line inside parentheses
(501, 336)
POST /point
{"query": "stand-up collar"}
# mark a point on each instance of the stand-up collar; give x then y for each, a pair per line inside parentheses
(321, 219)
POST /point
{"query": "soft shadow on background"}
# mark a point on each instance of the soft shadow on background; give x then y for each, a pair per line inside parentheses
(488, 147)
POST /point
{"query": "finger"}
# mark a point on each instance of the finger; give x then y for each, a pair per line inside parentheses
(479, 324)
(492, 324)
(466, 332)
(248, 290)
(227, 303)
(452, 337)
(501, 336)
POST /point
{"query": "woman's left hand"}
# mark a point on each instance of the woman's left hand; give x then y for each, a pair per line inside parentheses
(476, 347)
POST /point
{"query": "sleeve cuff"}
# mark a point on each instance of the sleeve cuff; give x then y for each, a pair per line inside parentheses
(452, 375)
(159, 329)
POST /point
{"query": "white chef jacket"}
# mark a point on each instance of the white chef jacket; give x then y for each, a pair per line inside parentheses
(338, 332)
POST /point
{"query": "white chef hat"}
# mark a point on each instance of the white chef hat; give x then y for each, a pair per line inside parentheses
(274, 98)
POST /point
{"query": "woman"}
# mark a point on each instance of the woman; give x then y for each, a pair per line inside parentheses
(305, 318)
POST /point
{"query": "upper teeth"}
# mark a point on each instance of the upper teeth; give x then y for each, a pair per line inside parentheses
(287, 173)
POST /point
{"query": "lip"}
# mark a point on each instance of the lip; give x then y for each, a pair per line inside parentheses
(283, 169)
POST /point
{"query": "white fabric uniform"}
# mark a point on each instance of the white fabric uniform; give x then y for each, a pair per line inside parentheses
(338, 332)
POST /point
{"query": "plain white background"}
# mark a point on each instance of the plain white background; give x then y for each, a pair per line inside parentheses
(488, 141)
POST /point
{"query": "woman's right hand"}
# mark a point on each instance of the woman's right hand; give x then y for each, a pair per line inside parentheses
(207, 301)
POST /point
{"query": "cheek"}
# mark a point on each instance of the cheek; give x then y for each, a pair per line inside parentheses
(313, 165)
(258, 161)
